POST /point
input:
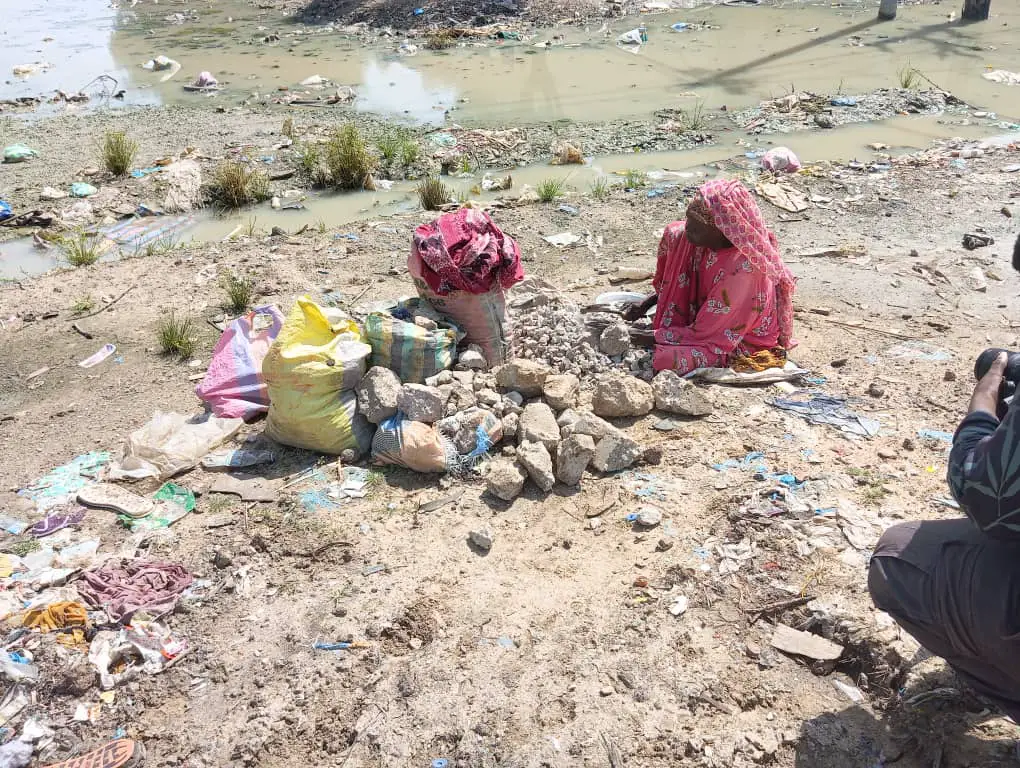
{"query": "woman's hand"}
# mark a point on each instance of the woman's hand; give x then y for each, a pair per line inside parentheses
(641, 337)
(986, 393)
(636, 310)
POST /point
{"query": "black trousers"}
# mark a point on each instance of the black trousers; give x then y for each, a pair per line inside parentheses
(957, 591)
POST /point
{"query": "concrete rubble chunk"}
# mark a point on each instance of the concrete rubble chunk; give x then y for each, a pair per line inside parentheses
(535, 458)
(524, 376)
(421, 403)
(465, 378)
(515, 397)
(459, 398)
(482, 538)
(561, 390)
(488, 397)
(184, 186)
(573, 456)
(615, 340)
(568, 417)
(622, 396)
(615, 452)
(377, 394)
(511, 423)
(538, 424)
(443, 377)
(790, 640)
(590, 424)
(505, 479)
(473, 359)
(674, 394)
(484, 381)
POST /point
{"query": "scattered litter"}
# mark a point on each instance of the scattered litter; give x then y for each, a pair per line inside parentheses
(237, 458)
(124, 588)
(633, 37)
(55, 522)
(60, 485)
(82, 189)
(171, 443)
(793, 641)
(783, 196)
(340, 646)
(252, 489)
(780, 159)
(115, 498)
(563, 239)
(163, 64)
(935, 434)
(843, 101)
(916, 349)
(105, 351)
(680, 26)
(1003, 77)
(18, 153)
(173, 502)
(821, 408)
(145, 646)
(972, 241)
(679, 606)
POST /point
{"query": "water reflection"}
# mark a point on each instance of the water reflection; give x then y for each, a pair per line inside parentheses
(395, 89)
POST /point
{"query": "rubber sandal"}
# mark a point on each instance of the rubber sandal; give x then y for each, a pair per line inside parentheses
(108, 496)
(120, 753)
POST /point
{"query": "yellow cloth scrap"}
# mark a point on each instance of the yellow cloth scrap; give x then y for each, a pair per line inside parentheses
(59, 616)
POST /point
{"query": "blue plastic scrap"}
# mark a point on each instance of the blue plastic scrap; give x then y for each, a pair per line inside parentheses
(680, 26)
(843, 101)
(935, 434)
(820, 408)
(5, 210)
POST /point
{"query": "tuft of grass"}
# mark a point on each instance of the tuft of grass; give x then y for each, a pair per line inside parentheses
(81, 248)
(320, 226)
(634, 179)
(389, 145)
(909, 77)
(433, 194)
(464, 197)
(84, 303)
(161, 245)
(309, 158)
(118, 152)
(235, 185)
(176, 336)
(239, 293)
(409, 152)
(600, 188)
(251, 228)
(347, 158)
(549, 189)
(695, 118)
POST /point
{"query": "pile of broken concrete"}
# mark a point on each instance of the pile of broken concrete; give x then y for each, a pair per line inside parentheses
(555, 437)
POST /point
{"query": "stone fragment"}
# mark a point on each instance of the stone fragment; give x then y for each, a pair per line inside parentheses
(505, 479)
(622, 396)
(377, 394)
(615, 340)
(511, 423)
(572, 457)
(538, 424)
(568, 418)
(614, 452)
(561, 390)
(458, 398)
(674, 394)
(535, 458)
(420, 402)
(482, 538)
(588, 423)
(473, 359)
(525, 376)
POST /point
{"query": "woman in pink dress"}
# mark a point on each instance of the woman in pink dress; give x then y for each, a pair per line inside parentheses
(724, 297)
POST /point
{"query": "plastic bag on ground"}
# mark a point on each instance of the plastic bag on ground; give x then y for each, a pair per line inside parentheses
(233, 386)
(462, 263)
(411, 351)
(18, 153)
(310, 371)
(412, 444)
(171, 443)
(780, 159)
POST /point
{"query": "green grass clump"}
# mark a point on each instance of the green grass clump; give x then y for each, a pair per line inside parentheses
(235, 185)
(239, 293)
(176, 336)
(84, 303)
(81, 248)
(695, 118)
(600, 188)
(118, 152)
(433, 194)
(347, 158)
(549, 189)
(909, 77)
(634, 179)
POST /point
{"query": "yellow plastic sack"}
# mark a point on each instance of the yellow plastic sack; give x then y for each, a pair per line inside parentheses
(311, 370)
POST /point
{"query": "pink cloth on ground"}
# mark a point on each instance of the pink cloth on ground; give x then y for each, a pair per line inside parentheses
(134, 585)
(714, 304)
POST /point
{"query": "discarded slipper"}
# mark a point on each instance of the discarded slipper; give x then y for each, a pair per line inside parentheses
(120, 753)
(108, 496)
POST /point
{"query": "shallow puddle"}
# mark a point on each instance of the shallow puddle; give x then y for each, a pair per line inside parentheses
(733, 55)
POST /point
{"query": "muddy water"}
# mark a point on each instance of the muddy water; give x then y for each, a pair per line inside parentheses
(19, 259)
(746, 54)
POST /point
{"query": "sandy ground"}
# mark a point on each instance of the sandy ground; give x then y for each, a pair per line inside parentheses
(557, 648)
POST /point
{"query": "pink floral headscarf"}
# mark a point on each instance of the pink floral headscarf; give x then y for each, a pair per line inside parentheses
(736, 214)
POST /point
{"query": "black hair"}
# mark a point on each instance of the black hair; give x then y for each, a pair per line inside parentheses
(1016, 254)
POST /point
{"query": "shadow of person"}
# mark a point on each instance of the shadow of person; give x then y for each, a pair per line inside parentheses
(947, 737)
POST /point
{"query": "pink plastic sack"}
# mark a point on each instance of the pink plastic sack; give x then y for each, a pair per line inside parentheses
(233, 386)
(780, 159)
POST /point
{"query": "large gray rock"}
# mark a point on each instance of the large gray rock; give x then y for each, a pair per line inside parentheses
(568, 418)
(538, 424)
(535, 458)
(615, 452)
(524, 376)
(572, 457)
(675, 394)
(620, 396)
(588, 423)
(377, 394)
(505, 479)
(420, 402)
(561, 390)
(615, 340)
(473, 359)
(183, 186)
